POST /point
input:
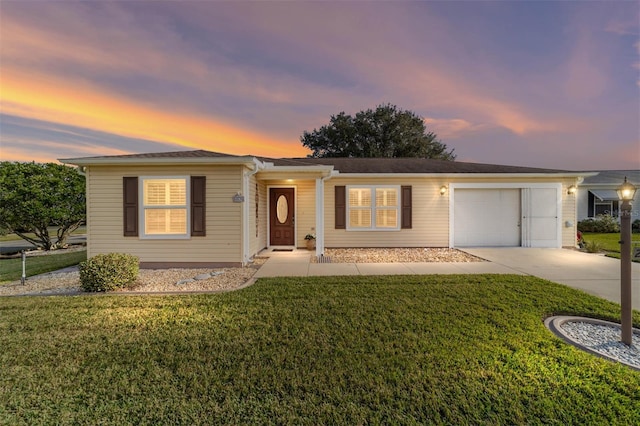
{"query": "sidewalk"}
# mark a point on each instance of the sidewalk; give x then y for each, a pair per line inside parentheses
(297, 264)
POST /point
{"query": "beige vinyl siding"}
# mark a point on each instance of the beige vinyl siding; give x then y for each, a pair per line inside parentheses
(306, 211)
(223, 242)
(430, 216)
(430, 212)
(569, 214)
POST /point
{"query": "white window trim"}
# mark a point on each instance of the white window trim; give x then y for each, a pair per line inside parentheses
(373, 208)
(141, 215)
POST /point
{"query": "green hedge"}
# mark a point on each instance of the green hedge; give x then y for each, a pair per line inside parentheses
(600, 224)
(105, 272)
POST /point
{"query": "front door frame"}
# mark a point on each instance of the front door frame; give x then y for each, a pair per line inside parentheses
(295, 215)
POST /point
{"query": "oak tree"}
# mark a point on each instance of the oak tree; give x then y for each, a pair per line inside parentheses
(384, 132)
(35, 197)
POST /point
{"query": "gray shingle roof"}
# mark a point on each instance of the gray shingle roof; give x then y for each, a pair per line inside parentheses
(410, 165)
(612, 177)
(349, 165)
(200, 153)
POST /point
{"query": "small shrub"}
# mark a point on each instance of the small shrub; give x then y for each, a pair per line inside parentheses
(635, 226)
(593, 246)
(106, 272)
(600, 224)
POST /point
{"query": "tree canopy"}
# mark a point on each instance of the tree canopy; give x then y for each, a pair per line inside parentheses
(384, 132)
(35, 197)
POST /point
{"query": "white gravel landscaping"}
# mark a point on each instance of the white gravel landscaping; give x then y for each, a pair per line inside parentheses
(600, 337)
(396, 255)
(149, 280)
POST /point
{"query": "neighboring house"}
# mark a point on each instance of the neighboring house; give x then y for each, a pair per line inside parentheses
(201, 208)
(597, 193)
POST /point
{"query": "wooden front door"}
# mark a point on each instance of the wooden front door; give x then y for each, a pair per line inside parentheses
(281, 217)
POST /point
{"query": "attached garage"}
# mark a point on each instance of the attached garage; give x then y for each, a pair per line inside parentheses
(505, 215)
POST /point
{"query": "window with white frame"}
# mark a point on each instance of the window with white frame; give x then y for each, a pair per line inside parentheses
(164, 206)
(605, 207)
(373, 207)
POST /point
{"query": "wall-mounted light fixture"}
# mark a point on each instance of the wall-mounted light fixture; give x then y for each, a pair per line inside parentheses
(572, 190)
(443, 189)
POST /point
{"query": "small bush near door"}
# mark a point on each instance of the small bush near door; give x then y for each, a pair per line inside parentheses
(106, 272)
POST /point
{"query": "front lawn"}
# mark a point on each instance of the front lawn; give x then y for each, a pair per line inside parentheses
(350, 350)
(610, 242)
(11, 269)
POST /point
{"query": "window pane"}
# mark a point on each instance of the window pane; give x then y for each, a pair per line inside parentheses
(165, 192)
(177, 192)
(387, 218)
(165, 221)
(282, 209)
(359, 197)
(386, 197)
(360, 218)
(605, 209)
(154, 193)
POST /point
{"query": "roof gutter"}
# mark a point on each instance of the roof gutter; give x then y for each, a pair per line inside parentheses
(322, 169)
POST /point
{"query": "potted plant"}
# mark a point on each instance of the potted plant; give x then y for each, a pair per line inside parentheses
(311, 241)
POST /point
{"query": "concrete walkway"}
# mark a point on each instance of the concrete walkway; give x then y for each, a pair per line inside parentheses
(592, 273)
(297, 264)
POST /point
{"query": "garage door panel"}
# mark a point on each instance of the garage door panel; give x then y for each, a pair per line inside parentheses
(544, 228)
(541, 212)
(487, 217)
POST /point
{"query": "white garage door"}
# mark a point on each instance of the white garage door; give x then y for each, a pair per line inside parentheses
(486, 217)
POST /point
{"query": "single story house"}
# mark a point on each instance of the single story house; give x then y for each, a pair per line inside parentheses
(597, 193)
(202, 208)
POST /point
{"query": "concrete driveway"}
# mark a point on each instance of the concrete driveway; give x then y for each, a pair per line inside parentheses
(592, 273)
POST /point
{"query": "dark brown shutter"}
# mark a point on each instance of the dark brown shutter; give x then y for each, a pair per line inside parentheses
(406, 207)
(198, 202)
(341, 207)
(130, 206)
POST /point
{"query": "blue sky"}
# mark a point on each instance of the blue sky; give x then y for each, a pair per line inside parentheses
(544, 84)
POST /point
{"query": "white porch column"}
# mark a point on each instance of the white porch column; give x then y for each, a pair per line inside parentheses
(245, 218)
(319, 216)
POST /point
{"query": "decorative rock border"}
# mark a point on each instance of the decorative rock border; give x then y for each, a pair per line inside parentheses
(598, 337)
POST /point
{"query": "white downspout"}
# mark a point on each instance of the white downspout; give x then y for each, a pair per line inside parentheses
(257, 166)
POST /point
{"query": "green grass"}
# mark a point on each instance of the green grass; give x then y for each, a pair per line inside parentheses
(52, 231)
(348, 350)
(610, 242)
(11, 269)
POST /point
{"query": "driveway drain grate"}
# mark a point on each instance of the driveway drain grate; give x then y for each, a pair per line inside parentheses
(324, 259)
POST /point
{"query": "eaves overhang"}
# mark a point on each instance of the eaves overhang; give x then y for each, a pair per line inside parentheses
(173, 161)
(272, 172)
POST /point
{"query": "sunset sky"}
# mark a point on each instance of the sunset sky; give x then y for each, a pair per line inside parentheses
(543, 84)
